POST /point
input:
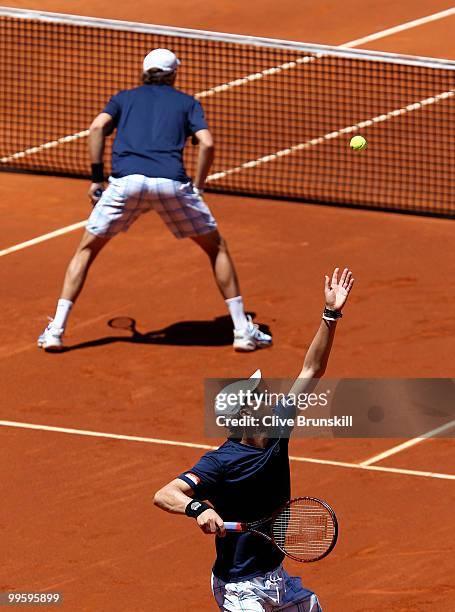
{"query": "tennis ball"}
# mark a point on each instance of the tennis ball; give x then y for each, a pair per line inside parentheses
(358, 143)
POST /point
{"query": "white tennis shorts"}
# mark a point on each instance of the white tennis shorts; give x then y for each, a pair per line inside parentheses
(270, 592)
(180, 207)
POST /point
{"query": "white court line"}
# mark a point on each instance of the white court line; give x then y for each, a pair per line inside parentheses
(271, 157)
(43, 238)
(408, 444)
(267, 158)
(335, 134)
(246, 79)
(400, 28)
(102, 434)
(99, 434)
(375, 468)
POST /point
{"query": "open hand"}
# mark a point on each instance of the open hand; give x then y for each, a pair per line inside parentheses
(337, 291)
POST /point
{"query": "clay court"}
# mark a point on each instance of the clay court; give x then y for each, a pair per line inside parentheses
(88, 435)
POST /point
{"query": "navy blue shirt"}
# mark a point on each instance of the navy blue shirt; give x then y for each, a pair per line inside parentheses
(244, 483)
(153, 123)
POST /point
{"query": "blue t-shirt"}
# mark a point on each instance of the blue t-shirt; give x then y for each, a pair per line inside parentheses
(153, 123)
(244, 483)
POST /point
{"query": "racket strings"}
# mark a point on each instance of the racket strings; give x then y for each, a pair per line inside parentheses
(304, 529)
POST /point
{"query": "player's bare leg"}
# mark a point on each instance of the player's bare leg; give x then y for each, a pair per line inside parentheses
(247, 335)
(223, 267)
(76, 273)
(79, 265)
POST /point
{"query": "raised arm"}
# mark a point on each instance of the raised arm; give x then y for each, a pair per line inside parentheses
(205, 157)
(336, 293)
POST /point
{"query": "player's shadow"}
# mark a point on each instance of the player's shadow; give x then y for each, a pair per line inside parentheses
(217, 332)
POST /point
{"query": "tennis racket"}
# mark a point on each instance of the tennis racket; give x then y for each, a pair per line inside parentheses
(304, 529)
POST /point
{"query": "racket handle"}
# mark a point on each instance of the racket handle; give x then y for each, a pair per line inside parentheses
(232, 526)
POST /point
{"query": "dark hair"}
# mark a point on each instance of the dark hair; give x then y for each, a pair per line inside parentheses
(155, 76)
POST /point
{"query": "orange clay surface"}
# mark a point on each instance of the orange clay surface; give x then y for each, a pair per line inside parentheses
(76, 514)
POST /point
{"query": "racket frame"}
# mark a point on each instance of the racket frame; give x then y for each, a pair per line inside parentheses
(251, 527)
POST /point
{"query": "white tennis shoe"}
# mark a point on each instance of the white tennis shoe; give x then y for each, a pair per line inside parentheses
(51, 339)
(251, 338)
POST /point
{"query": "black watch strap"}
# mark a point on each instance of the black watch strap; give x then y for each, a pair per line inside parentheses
(331, 315)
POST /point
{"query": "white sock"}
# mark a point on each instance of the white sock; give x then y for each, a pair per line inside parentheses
(62, 313)
(237, 312)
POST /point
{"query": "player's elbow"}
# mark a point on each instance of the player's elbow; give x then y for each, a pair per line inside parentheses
(205, 140)
(96, 134)
(96, 127)
(102, 125)
(158, 499)
(208, 147)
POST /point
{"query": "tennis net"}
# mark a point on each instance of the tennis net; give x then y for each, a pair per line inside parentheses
(282, 113)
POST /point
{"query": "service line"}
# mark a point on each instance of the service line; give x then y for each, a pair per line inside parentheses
(178, 443)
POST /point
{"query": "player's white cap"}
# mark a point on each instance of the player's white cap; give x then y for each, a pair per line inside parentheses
(225, 402)
(163, 59)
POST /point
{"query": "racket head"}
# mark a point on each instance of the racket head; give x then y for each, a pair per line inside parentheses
(305, 529)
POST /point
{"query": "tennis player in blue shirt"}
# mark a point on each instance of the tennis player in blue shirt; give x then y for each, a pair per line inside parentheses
(153, 122)
(247, 479)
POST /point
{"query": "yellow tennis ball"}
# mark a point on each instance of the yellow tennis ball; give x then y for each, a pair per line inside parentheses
(358, 143)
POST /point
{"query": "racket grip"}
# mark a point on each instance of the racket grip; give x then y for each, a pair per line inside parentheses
(232, 526)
